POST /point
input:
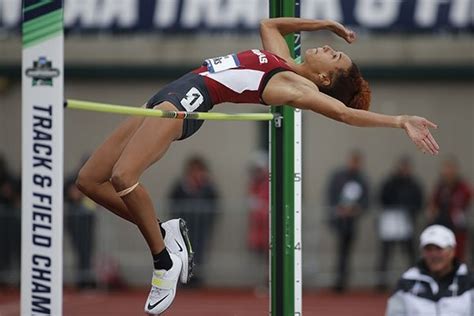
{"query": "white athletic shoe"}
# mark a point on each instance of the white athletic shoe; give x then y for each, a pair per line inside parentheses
(177, 242)
(163, 287)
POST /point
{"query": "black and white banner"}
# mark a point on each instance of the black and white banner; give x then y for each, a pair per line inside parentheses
(177, 16)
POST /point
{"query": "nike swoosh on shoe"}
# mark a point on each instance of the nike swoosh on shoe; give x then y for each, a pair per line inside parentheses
(151, 306)
(180, 248)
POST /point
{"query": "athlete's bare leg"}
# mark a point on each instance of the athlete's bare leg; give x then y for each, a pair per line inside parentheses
(147, 145)
(93, 178)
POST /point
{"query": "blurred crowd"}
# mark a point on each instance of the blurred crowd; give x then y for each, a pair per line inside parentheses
(400, 201)
(403, 205)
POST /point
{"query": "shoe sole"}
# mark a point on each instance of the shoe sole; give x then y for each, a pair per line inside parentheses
(186, 274)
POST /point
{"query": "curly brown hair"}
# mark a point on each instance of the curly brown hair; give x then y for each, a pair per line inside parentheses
(349, 87)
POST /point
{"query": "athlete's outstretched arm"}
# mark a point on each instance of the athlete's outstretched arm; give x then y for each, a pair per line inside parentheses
(304, 94)
(272, 32)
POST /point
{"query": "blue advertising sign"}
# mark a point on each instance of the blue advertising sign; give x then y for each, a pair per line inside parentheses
(178, 16)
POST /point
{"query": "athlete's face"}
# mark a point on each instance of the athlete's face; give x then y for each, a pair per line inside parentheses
(326, 60)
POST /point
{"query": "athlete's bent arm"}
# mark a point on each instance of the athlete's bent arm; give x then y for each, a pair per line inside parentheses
(303, 94)
(272, 32)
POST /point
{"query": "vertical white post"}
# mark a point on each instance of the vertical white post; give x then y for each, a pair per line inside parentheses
(42, 158)
(298, 212)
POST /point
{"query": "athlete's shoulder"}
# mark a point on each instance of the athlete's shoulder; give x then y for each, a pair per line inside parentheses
(285, 87)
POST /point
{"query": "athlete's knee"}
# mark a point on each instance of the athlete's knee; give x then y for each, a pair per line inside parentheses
(123, 181)
(83, 182)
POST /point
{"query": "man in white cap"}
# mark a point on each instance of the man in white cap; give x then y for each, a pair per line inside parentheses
(438, 285)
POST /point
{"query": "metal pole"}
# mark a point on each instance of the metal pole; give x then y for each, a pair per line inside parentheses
(285, 240)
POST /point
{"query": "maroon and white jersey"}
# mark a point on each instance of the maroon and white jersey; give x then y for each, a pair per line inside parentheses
(241, 77)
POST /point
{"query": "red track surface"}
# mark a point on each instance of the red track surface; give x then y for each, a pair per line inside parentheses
(209, 302)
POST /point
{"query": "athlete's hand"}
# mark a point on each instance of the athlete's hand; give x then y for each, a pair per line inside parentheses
(342, 31)
(417, 129)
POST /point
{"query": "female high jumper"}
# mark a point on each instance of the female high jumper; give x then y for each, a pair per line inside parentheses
(328, 82)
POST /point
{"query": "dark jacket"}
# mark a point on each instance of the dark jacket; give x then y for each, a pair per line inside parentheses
(348, 188)
(402, 192)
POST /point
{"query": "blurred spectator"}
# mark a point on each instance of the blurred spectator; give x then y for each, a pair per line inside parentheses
(347, 195)
(401, 198)
(258, 200)
(450, 203)
(80, 223)
(194, 198)
(439, 284)
(10, 224)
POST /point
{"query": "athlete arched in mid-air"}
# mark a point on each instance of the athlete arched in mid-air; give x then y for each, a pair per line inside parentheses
(327, 82)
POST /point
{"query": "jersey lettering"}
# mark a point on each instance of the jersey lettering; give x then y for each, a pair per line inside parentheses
(262, 58)
(192, 100)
